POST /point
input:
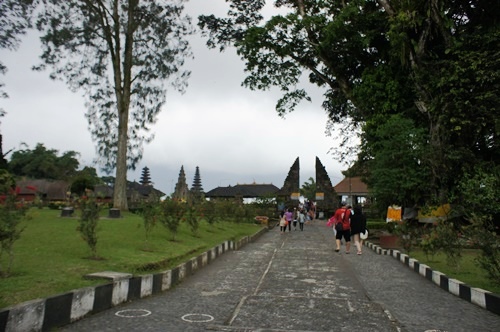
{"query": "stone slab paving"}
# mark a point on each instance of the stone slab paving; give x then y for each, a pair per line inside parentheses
(296, 282)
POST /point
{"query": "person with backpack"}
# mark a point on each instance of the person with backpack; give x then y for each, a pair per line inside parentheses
(343, 227)
(358, 226)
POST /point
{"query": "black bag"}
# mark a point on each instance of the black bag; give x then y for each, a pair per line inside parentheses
(339, 227)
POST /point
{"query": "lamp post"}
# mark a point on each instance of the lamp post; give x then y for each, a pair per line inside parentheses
(350, 190)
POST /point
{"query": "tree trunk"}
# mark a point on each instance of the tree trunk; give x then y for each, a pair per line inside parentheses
(120, 189)
(122, 90)
(3, 162)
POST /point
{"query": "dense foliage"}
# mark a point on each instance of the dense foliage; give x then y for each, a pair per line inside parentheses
(12, 213)
(43, 163)
(417, 79)
(16, 19)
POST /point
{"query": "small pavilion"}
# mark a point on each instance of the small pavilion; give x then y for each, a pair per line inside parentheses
(354, 189)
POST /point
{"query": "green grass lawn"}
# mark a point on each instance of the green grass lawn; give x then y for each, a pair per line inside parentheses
(51, 257)
(467, 271)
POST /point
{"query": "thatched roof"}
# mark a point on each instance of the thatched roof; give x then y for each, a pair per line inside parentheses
(49, 189)
(243, 190)
(352, 186)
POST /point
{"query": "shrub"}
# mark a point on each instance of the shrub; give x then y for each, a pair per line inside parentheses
(172, 212)
(56, 205)
(482, 234)
(12, 213)
(89, 222)
(409, 233)
(150, 213)
(191, 216)
(449, 242)
(208, 210)
(429, 242)
(479, 190)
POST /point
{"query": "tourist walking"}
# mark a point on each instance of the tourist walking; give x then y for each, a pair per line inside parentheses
(302, 219)
(295, 218)
(282, 222)
(289, 218)
(358, 226)
(342, 216)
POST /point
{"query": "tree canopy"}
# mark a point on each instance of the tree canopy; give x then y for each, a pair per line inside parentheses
(121, 54)
(308, 189)
(16, 19)
(43, 163)
(417, 79)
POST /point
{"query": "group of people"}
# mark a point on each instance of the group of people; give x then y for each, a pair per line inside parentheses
(297, 217)
(353, 224)
(352, 219)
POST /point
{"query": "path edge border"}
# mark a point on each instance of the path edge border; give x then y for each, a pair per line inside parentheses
(480, 297)
(63, 309)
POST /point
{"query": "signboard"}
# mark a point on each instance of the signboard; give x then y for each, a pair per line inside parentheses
(394, 213)
(294, 196)
(435, 214)
(320, 196)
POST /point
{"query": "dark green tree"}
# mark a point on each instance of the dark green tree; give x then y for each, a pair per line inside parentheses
(7, 182)
(308, 189)
(398, 175)
(121, 54)
(43, 163)
(434, 63)
(84, 179)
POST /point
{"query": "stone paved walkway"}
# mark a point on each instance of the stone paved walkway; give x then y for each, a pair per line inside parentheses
(296, 282)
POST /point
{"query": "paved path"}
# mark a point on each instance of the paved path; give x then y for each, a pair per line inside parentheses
(296, 282)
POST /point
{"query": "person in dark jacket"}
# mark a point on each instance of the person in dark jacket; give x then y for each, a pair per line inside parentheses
(358, 225)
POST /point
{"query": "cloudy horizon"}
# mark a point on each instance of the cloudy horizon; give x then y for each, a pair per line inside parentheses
(232, 134)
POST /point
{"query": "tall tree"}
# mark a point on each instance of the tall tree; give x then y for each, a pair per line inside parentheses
(433, 62)
(121, 53)
(398, 175)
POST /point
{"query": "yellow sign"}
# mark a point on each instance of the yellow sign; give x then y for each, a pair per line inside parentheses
(394, 213)
(320, 196)
(435, 214)
(295, 196)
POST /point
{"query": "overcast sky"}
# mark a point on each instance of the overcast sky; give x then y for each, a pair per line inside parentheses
(232, 134)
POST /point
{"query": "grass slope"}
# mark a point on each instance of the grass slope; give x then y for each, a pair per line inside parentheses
(51, 257)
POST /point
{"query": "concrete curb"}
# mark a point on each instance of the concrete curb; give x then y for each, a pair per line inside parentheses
(59, 310)
(485, 299)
